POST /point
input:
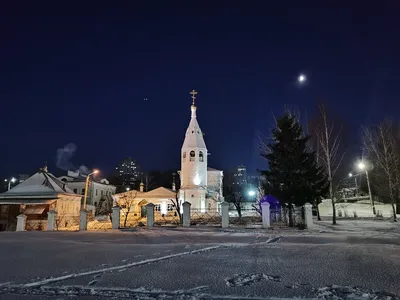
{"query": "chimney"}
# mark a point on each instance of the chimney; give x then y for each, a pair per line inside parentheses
(141, 187)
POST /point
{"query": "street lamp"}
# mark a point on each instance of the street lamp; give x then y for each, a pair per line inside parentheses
(355, 179)
(87, 187)
(252, 193)
(363, 167)
(9, 182)
(127, 189)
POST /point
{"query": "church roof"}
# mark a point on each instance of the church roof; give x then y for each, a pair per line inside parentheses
(194, 135)
(40, 184)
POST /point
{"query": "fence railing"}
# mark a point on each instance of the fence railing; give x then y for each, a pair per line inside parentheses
(205, 216)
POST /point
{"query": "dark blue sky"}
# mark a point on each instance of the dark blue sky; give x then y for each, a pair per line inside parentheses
(79, 74)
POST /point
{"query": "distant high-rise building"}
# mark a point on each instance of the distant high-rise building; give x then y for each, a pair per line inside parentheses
(240, 175)
(128, 171)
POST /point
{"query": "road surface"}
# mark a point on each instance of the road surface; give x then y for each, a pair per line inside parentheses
(201, 264)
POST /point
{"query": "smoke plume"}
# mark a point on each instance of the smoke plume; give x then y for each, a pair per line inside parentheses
(63, 160)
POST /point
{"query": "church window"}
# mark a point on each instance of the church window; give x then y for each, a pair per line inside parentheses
(201, 158)
(184, 156)
(192, 131)
(192, 155)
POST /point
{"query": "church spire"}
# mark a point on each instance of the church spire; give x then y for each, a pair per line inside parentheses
(193, 107)
(193, 93)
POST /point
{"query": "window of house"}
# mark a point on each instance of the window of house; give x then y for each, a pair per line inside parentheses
(201, 158)
(184, 156)
(157, 207)
(170, 207)
(83, 191)
(192, 155)
(96, 192)
(76, 191)
(102, 192)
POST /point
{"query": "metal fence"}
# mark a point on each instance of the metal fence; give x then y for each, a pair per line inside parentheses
(245, 217)
(203, 216)
(36, 225)
(67, 223)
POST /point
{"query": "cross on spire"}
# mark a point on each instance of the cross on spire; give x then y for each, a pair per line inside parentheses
(193, 93)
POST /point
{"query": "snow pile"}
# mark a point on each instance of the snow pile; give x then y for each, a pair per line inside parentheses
(249, 279)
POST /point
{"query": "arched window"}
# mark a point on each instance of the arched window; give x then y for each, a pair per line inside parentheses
(184, 156)
(192, 155)
(201, 158)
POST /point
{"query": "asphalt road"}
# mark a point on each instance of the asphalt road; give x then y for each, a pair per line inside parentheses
(199, 264)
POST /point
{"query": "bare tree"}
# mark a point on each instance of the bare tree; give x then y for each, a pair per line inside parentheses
(126, 203)
(380, 142)
(329, 158)
(148, 181)
(177, 205)
(233, 193)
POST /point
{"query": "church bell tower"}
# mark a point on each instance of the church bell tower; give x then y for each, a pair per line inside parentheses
(194, 163)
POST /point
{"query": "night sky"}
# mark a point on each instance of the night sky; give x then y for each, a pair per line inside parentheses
(80, 73)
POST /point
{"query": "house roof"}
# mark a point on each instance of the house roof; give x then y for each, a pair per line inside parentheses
(160, 192)
(41, 184)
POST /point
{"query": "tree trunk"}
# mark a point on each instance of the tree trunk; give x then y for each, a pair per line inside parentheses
(126, 219)
(394, 212)
(318, 215)
(333, 212)
(290, 215)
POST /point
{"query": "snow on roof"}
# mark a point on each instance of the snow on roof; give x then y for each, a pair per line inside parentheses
(40, 183)
(213, 170)
(160, 192)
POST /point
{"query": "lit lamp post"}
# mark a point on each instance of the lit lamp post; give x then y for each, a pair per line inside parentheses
(87, 187)
(363, 167)
(355, 179)
(9, 182)
(252, 193)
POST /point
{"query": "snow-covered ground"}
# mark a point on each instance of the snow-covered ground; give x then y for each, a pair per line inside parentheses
(329, 262)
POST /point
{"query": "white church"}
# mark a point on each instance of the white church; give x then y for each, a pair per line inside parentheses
(200, 184)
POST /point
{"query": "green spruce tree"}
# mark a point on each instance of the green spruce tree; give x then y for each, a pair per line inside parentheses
(293, 176)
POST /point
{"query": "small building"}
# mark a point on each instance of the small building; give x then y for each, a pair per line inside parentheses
(34, 197)
(99, 197)
(134, 202)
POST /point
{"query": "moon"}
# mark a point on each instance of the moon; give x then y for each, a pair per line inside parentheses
(302, 78)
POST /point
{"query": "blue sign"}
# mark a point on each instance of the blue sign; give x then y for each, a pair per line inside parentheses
(273, 202)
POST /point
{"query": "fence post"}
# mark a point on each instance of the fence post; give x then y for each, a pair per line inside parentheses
(225, 214)
(115, 217)
(21, 222)
(83, 219)
(308, 215)
(266, 222)
(186, 214)
(51, 220)
(150, 214)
